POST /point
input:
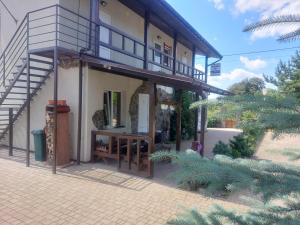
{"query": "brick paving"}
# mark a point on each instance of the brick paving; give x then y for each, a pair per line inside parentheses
(89, 194)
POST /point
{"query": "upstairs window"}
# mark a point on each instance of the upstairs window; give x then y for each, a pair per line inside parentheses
(166, 59)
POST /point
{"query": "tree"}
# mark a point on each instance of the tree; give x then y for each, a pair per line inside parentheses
(269, 180)
(287, 76)
(288, 20)
(248, 86)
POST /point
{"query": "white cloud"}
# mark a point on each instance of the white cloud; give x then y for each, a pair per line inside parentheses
(200, 67)
(268, 8)
(227, 79)
(253, 64)
(219, 4)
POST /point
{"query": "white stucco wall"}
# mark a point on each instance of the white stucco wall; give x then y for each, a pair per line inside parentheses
(98, 82)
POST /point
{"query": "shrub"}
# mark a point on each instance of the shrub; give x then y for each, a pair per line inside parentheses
(222, 149)
(223, 175)
(240, 147)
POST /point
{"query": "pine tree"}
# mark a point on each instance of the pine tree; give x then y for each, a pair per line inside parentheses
(225, 175)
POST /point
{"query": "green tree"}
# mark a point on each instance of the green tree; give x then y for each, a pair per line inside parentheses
(226, 175)
(248, 86)
(287, 76)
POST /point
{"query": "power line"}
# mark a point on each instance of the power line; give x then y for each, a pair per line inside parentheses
(262, 51)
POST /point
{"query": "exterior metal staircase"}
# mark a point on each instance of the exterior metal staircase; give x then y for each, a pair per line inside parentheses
(16, 64)
(14, 92)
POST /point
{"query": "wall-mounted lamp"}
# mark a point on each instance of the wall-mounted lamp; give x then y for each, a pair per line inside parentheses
(185, 53)
(103, 3)
(158, 37)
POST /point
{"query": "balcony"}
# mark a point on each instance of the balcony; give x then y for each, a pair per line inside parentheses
(58, 26)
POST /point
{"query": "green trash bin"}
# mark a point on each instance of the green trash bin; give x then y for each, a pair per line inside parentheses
(39, 145)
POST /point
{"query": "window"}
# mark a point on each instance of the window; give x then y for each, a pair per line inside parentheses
(157, 54)
(167, 50)
(112, 108)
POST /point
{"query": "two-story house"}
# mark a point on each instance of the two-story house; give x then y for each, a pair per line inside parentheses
(108, 59)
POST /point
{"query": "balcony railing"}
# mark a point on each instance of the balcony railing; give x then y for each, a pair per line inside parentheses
(57, 26)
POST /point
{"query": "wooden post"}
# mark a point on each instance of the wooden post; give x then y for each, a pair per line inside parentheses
(146, 46)
(178, 120)
(203, 112)
(79, 113)
(193, 61)
(152, 123)
(10, 132)
(206, 68)
(196, 118)
(94, 19)
(174, 53)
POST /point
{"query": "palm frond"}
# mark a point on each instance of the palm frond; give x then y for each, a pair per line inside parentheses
(273, 21)
(292, 36)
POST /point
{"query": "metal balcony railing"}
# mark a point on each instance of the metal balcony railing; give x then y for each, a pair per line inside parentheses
(56, 26)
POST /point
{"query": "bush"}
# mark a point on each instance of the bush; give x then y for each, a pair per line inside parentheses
(223, 175)
(222, 149)
(238, 148)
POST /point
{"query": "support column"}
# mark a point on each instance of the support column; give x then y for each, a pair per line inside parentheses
(178, 120)
(152, 123)
(10, 132)
(196, 118)
(174, 53)
(94, 29)
(28, 100)
(193, 61)
(79, 112)
(55, 97)
(146, 31)
(206, 68)
(203, 112)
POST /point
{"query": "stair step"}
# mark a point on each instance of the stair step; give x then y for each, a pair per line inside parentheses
(23, 87)
(41, 61)
(23, 99)
(11, 104)
(31, 81)
(38, 68)
(32, 75)
(2, 120)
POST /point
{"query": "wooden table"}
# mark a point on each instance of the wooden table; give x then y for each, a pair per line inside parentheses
(122, 140)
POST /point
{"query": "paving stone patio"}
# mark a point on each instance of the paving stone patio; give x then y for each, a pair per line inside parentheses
(88, 194)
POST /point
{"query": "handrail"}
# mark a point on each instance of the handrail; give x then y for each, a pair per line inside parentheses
(19, 27)
(77, 32)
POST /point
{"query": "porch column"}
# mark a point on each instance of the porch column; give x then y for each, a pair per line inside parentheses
(178, 119)
(193, 60)
(79, 112)
(174, 53)
(203, 112)
(146, 31)
(94, 19)
(152, 123)
(196, 117)
(55, 97)
(206, 68)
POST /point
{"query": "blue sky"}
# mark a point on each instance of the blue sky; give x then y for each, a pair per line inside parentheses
(221, 22)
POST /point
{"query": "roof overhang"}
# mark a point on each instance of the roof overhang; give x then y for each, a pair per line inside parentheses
(166, 18)
(177, 82)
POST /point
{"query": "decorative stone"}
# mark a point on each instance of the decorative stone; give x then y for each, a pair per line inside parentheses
(98, 119)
